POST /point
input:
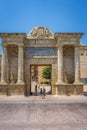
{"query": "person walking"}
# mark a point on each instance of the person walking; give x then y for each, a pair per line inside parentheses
(35, 89)
(43, 93)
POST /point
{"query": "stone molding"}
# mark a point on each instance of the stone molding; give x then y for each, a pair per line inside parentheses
(69, 35)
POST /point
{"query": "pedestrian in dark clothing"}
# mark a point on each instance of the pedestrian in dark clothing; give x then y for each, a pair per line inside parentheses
(44, 92)
(41, 91)
(36, 89)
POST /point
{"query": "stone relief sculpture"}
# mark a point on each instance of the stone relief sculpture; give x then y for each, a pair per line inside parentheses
(40, 32)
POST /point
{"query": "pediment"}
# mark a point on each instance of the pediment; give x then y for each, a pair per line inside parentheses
(40, 33)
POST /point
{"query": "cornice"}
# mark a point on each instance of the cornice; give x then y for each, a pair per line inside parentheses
(13, 35)
(69, 35)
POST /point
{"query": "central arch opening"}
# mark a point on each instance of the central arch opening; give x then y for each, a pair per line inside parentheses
(40, 77)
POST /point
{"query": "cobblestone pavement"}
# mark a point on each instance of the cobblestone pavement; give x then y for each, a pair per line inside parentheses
(43, 114)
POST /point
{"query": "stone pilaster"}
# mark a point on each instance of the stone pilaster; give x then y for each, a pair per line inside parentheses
(56, 91)
(77, 65)
(20, 64)
(4, 64)
(60, 62)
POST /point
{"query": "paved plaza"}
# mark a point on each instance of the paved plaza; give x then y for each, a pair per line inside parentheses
(52, 113)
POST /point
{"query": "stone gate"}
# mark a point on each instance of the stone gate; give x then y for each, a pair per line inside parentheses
(40, 47)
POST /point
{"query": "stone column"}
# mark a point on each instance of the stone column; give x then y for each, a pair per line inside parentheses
(77, 65)
(20, 64)
(4, 64)
(60, 65)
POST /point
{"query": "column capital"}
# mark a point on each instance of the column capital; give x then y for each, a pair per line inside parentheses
(59, 45)
(77, 46)
(59, 39)
(76, 53)
(4, 44)
(21, 45)
(59, 42)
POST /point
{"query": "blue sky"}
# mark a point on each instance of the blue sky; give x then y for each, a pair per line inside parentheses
(58, 15)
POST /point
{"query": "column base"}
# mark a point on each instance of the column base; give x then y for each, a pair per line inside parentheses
(3, 82)
(78, 82)
(59, 82)
(20, 82)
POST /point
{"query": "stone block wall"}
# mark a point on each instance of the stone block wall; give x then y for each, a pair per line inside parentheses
(83, 66)
(12, 89)
(27, 76)
(69, 89)
(54, 76)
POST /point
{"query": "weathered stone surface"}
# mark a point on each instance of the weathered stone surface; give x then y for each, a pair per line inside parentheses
(54, 78)
(14, 89)
(3, 90)
(69, 89)
(4, 65)
(68, 64)
(40, 47)
(40, 43)
(40, 33)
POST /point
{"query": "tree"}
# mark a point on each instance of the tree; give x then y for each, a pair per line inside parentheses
(46, 74)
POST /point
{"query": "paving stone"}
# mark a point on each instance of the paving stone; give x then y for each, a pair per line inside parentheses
(43, 115)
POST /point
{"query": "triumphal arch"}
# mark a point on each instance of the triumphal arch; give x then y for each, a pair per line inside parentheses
(40, 47)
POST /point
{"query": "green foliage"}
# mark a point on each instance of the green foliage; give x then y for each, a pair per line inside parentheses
(46, 74)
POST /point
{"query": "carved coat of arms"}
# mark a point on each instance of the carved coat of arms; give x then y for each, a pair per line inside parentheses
(40, 32)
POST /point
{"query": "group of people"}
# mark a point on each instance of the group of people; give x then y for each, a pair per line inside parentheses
(41, 91)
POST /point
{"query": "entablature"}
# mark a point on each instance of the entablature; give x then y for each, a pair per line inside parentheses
(12, 38)
(41, 37)
(68, 38)
(68, 35)
(40, 42)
